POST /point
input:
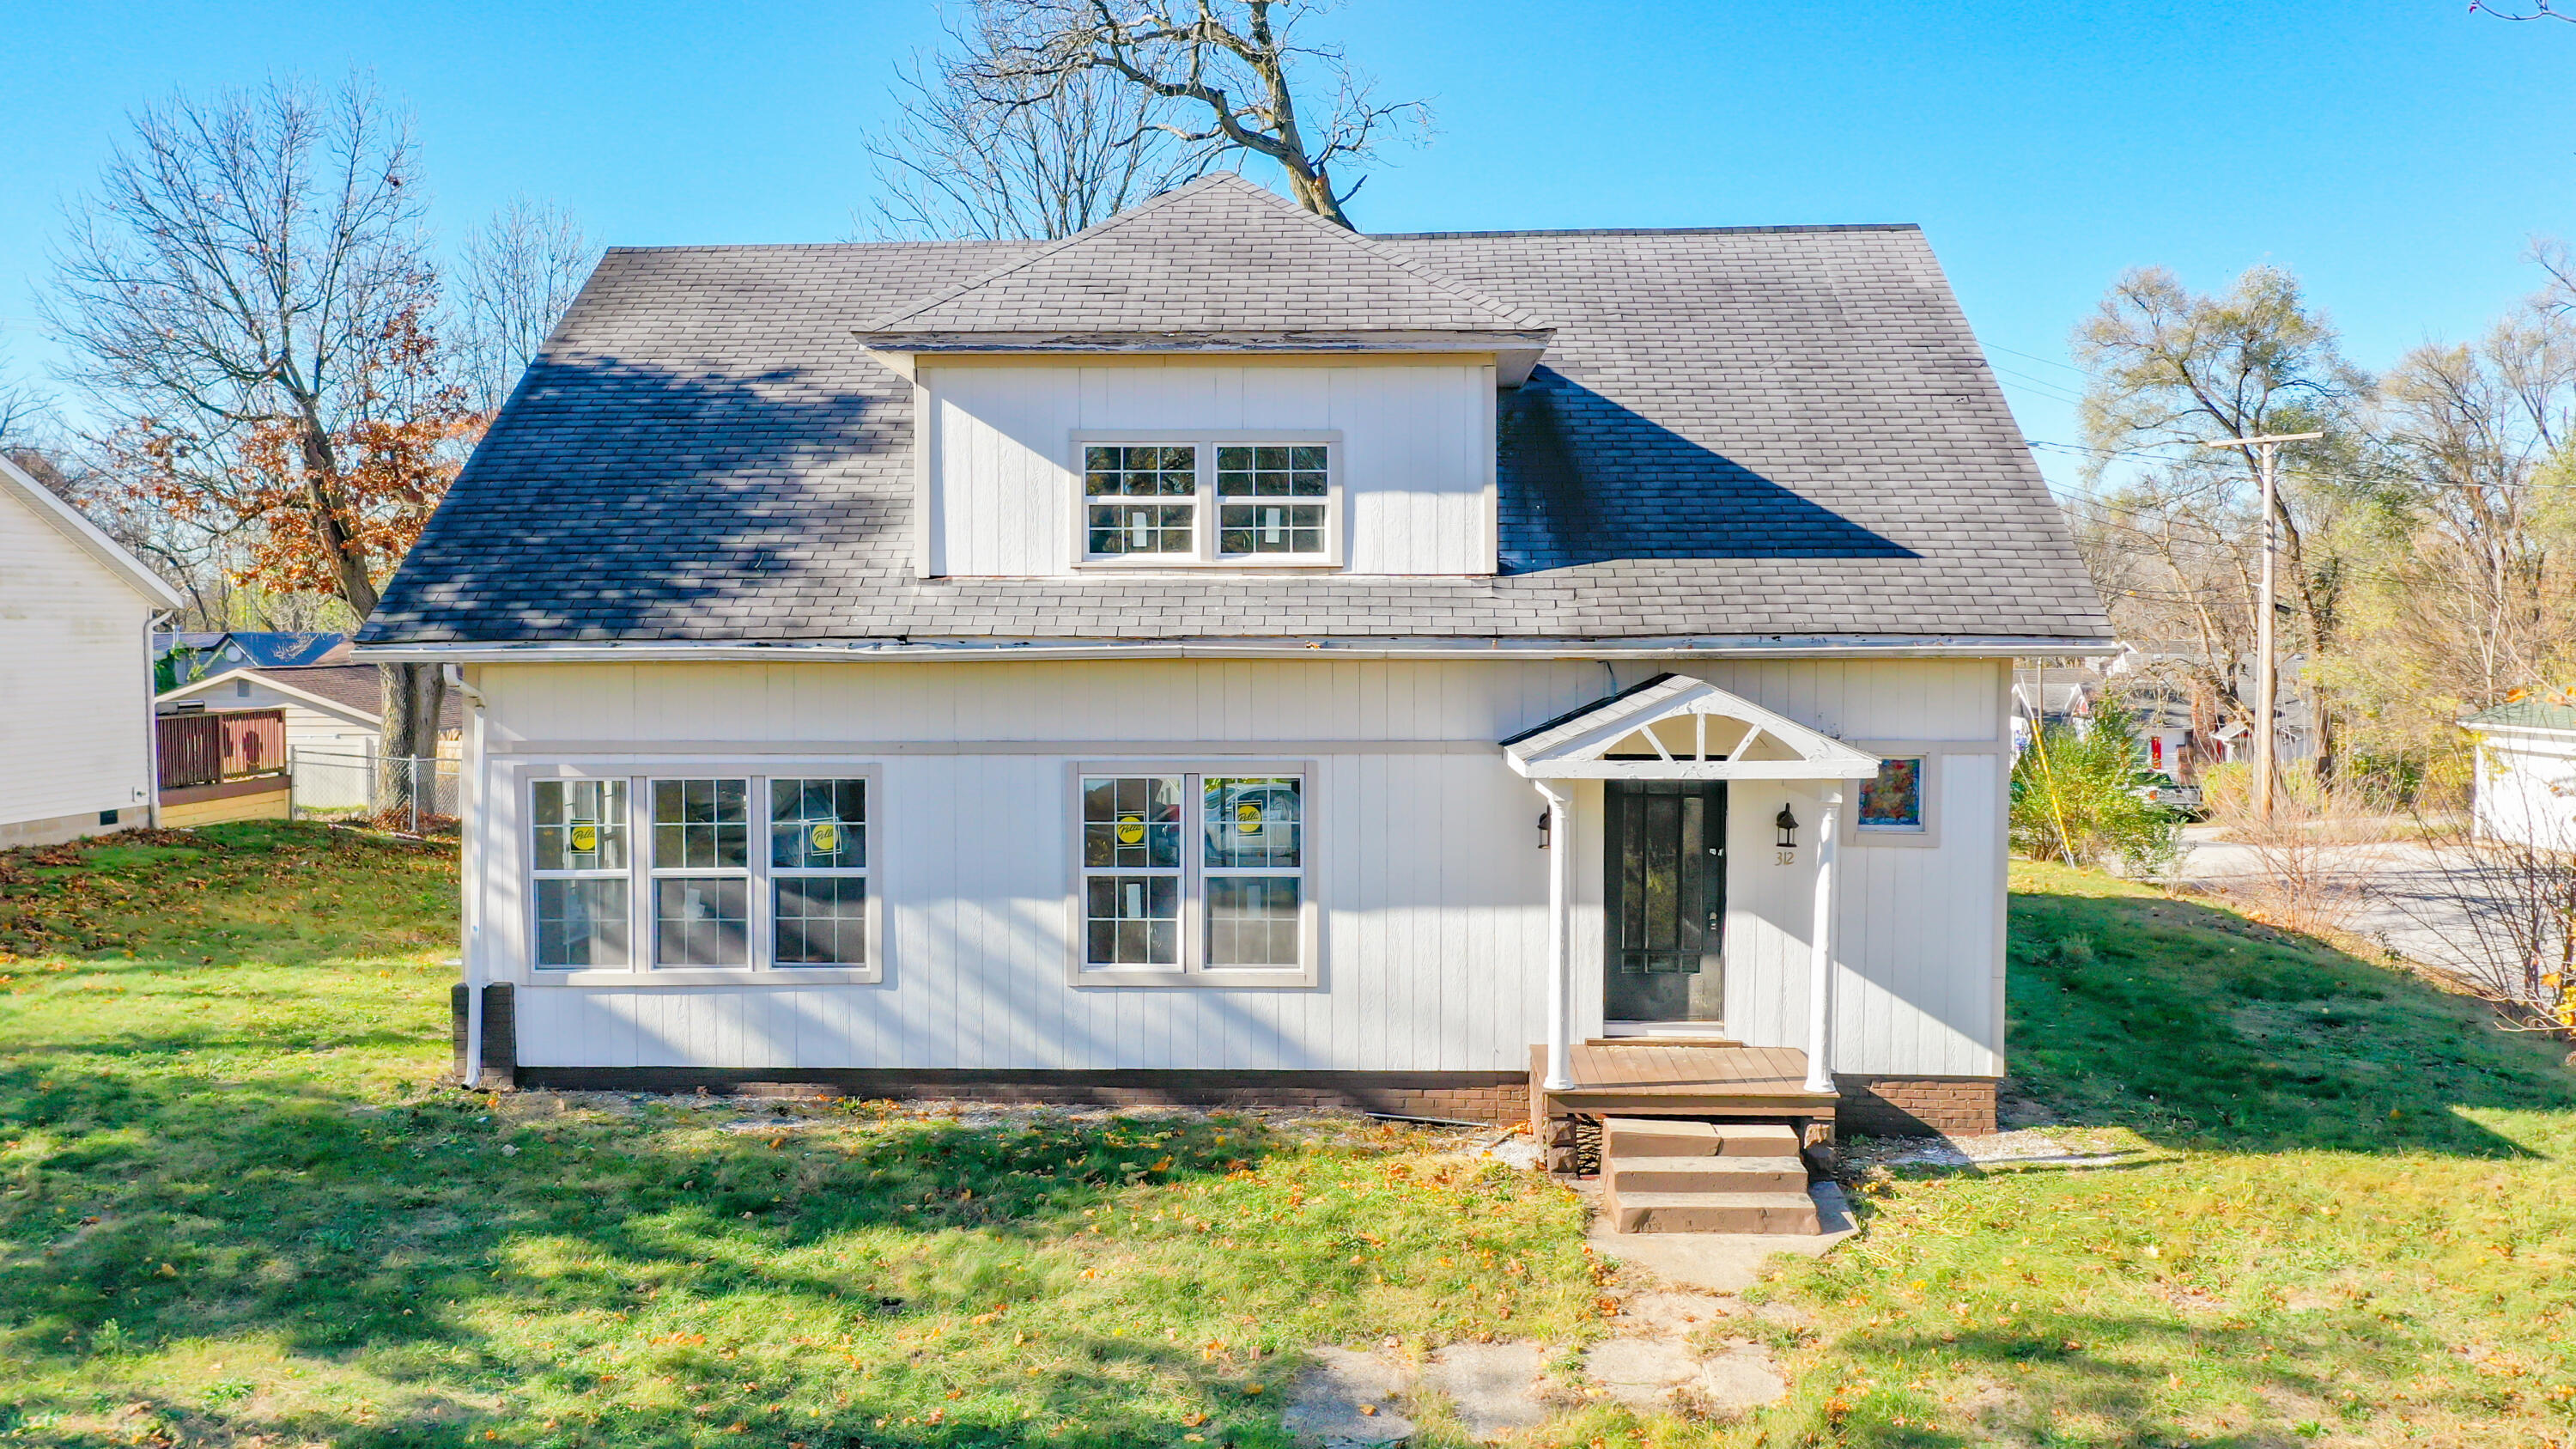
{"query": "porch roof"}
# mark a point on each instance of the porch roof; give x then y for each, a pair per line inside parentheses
(1675, 727)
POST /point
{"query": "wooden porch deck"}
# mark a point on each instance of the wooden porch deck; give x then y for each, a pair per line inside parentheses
(1679, 1079)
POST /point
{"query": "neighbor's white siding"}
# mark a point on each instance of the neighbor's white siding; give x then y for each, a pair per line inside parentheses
(2526, 788)
(1416, 459)
(1426, 863)
(75, 679)
(307, 726)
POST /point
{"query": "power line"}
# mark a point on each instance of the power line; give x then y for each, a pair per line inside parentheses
(2035, 357)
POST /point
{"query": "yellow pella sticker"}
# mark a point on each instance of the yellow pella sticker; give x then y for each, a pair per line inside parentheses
(826, 837)
(585, 838)
(1131, 830)
(1247, 818)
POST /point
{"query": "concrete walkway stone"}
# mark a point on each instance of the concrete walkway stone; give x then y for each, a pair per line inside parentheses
(1641, 1372)
(1332, 1401)
(1742, 1377)
(1493, 1385)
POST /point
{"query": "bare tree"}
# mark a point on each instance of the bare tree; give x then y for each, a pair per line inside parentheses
(983, 151)
(521, 273)
(1235, 65)
(23, 411)
(2168, 365)
(2476, 426)
(250, 293)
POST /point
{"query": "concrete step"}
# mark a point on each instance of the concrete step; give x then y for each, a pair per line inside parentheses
(1757, 1139)
(1711, 1212)
(1705, 1174)
(1656, 1137)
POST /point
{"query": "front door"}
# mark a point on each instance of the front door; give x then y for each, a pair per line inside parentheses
(1666, 898)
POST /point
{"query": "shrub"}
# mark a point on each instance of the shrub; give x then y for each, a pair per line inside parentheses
(2075, 798)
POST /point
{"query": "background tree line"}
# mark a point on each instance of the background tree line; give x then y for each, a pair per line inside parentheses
(2427, 543)
(275, 369)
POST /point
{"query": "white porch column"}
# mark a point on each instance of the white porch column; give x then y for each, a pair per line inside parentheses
(1560, 964)
(1820, 966)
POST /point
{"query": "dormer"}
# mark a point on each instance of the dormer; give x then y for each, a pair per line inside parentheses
(1215, 381)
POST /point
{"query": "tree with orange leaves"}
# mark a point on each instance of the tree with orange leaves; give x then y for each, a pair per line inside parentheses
(252, 291)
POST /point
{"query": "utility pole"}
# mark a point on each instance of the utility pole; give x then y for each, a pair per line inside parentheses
(2264, 450)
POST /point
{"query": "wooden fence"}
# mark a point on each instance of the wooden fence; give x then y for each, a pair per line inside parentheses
(215, 746)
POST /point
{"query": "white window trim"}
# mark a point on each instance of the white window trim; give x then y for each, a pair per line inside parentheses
(1926, 836)
(1205, 555)
(1193, 970)
(641, 873)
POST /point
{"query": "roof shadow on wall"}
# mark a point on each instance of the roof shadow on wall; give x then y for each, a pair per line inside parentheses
(1584, 478)
(614, 495)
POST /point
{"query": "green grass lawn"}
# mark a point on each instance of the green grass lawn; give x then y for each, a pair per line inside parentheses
(235, 1209)
(2360, 1227)
(236, 1204)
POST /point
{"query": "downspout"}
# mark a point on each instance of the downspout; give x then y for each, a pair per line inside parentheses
(152, 720)
(1820, 963)
(469, 875)
(1560, 974)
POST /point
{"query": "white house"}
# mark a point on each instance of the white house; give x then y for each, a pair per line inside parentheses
(2525, 785)
(339, 721)
(1221, 657)
(76, 612)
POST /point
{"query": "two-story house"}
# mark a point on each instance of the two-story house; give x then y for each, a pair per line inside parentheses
(1218, 657)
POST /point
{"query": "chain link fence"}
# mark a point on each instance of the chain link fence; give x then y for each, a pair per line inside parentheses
(416, 796)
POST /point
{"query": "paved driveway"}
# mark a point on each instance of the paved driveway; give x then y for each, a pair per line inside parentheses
(2434, 907)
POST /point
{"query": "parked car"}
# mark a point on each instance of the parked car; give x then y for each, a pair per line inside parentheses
(2158, 788)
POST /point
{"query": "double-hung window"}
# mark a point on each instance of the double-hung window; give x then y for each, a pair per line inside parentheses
(701, 872)
(818, 860)
(577, 840)
(730, 873)
(1241, 500)
(1141, 500)
(1194, 878)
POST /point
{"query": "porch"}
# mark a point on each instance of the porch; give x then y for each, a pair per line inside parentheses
(1678, 1079)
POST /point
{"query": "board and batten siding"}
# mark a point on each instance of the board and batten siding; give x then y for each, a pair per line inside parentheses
(1425, 861)
(76, 677)
(1415, 461)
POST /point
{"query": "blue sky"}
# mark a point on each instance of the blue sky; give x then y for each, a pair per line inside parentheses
(2399, 156)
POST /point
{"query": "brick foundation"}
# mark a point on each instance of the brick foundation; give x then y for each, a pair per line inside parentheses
(1916, 1106)
(1498, 1098)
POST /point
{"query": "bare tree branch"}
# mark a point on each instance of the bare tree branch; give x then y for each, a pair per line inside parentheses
(1020, 158)
(1235, 64)
(521, 274)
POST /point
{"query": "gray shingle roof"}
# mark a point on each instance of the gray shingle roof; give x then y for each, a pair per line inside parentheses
(1774, 432)
(1218, 255)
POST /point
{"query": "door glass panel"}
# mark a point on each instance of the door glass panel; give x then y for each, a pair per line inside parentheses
(1666, 870)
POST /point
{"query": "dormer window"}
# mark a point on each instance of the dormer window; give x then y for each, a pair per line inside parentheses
(1271, 500)
(1230, 500)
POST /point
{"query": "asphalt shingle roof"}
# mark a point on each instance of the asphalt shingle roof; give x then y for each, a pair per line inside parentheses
(1734, 433)
(2525, 714)
(1219, 255)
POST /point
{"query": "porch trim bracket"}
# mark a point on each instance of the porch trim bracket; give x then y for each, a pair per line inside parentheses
(1675, 727)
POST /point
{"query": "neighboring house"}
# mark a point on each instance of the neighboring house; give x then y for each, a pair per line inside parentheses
(1221, 657)
(76, 616)
(2525, 790)
(188, 657)
(332, 709)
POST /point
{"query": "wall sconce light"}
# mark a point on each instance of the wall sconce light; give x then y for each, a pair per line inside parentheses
(1542, 828)
(1787, 825)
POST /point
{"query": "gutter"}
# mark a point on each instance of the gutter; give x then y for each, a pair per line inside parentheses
(1776, 646)
(469, 877)
(152, 721)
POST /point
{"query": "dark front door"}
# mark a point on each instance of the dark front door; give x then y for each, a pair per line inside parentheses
(1667, 901)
